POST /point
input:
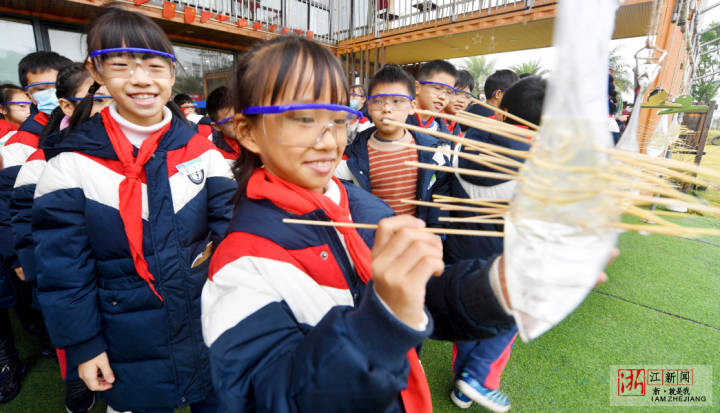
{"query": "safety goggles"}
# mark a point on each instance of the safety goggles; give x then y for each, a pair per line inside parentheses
(394, 101)
(39, 86)
(360, 95)
(463, 94)
(18, 102)
(439, 89)
(305, 125)
(224, 121)
(122, 62)
(94, 98)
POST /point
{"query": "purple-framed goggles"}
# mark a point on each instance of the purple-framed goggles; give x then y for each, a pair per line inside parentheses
(394, 100)
(38, 84)
(95, 98)
(122, 62)
(17, 102)
(465, 92)
(305, 124)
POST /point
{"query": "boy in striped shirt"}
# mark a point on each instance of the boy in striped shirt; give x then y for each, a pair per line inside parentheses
(375, 160)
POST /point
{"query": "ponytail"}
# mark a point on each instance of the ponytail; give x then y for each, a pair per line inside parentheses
(242, 168)
(53, 124)
(83, 109)
(178, 113)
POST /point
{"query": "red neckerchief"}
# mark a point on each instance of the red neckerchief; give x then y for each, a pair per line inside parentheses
(524, 127)
(41, 118)
(425, 125)
(233, 143)
(450, 126)
(300, 201)
(130, 189)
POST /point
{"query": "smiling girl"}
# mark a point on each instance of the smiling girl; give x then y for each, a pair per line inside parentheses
(307, 318)
(124, 218)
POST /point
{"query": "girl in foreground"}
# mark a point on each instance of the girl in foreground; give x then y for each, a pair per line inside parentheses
(123, 219)
(309, 318)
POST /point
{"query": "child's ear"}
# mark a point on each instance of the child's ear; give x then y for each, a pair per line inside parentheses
(66, 106)
(243, 133)
(413, 106)
(93, 73)
(418, 86)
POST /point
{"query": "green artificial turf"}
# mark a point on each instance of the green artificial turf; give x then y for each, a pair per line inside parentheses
(660, 307)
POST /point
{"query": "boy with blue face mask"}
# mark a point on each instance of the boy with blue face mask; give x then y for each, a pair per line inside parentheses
(38, 72)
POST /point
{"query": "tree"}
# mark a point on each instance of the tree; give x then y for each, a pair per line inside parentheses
(480, 68)
(624, 81)
(533, 67)
(707, 76)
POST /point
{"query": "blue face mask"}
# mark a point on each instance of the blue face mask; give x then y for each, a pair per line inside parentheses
(355, 104)
(46, 100)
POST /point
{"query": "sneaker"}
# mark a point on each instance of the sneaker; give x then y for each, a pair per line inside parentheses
(11, 375)
(78, 398)
(495, 400)
(460, 399)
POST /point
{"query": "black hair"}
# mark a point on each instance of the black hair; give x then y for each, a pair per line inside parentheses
(38, 62)
(525, 99)
(181, 99)
(500, 80)
(436, 66)
(465, 79)
(69, 80)
(524, 75)
(269, 71)
(114, 27)
(612, 95)
(217, 100)
(358, 86)
(7, 90)
(392, 74)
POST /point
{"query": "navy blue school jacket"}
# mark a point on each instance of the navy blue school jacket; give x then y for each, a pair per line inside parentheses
(432, 124)
(282, 342)
(355, 168)
(14, 154)
(88, 288)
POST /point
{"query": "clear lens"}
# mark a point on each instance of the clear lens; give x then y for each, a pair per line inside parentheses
(395, 102)
(306, 128)
(439, 90)
(124, 64)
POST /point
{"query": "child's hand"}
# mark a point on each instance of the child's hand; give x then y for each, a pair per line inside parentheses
(403, 259)
(503, 283)
(96, 373)
(20, 273)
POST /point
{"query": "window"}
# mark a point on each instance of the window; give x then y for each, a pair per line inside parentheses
(196, 66)
(69, 44)
(12, 51)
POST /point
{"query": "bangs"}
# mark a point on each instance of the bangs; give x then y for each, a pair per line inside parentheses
(299, 68)
(116, 28)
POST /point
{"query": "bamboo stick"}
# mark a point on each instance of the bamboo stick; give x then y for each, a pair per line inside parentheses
(509, 115)
(642, 186)
(664, 201)
(449, 231)
(664, 230)
(474, 201)
(451, 207)
(472, 220)
(467, 156)
(504, 131)
(664, 162)
(462, 171)
(494, 123)
(649, 215)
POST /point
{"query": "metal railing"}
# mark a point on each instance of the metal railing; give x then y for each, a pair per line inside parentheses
(332, 21)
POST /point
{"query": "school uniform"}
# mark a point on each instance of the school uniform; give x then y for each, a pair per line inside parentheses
(355, 168)
(485, 360)
(453, 127)
(7, 129)
(293, 322)
(121, 252)
(228, 147)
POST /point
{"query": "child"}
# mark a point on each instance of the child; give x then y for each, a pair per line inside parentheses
(290, 313)
(37, 76)
(495, 86)
(434, 85)
(478, 366)
(464, 85)
(221, 112)
(373, 163)
(73, 82)
(124, 218)
(14, 110)
(358, 100)
(188, 107)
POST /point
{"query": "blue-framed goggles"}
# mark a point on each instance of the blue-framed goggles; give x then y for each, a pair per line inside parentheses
(306, 124)
(440, 87)
(18, 102)
(78, 99)
(394, 100)
(224, 121)
(465, 92)
(121, 62)
(38, 84)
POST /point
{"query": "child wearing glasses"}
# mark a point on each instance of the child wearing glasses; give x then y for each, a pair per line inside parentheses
(375, 160)
(221, 112)
(316, 318)
(125, 216)
(14, 110)
(435, 89)
(464, 85)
